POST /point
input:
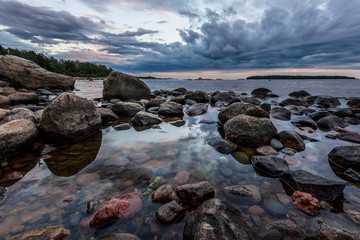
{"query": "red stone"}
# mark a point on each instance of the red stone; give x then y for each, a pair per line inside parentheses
(266, 151)
(123, 206)
(306, 203)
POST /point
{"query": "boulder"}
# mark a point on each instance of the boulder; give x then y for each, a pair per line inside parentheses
(156, 102)
(120, 207)
(306, 203)
(252, 100)
(271, 166)
(126, 109)
(326, 232)
(171, 109)
(23, 97)
(198, 96)
(197, 109)
(22, 73)
(240, 108)
(180, 99)
(329, 122)
(165, 193)
(346, 157)
(222, 145)
(50, 233)
(196, 193)
(250, 131)
(125, 87)
(261, 92)
(299, 94)
(107, 115)
(17, 135)
(266, 107)
(142, 119)
(349, 137)
(281, 113)
(327, 102)
(294, 102)
(224, 98)
(291, 139)
(343, 112)
(215, 220)
(169, 212)
(244, 193)
(304, 121)
(316, 116)
(319, 187)
(4, 101)
(354, 103)
(69, 118)
(18, 113)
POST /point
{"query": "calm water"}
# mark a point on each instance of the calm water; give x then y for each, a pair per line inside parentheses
(58, 182)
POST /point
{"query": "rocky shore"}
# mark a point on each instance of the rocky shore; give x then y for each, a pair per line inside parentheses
(39, 110)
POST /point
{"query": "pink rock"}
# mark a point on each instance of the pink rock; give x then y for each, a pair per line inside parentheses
(51, 233)
(266, 151)
(181, 177)
(123, 206)
(306, 203)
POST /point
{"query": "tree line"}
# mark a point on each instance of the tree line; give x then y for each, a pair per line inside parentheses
(66, 67)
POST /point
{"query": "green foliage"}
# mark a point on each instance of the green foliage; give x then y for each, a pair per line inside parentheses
(298, 77)
(66, 67)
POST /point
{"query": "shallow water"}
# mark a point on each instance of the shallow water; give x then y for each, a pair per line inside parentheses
(57, 183)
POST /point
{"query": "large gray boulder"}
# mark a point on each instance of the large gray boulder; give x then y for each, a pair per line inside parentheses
(346, 156)
(125, 87)
(16, 135)
(23, 73)
(239, 108)
(249, 131)
(69, 118)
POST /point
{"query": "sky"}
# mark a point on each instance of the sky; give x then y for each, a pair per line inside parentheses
(190, 39)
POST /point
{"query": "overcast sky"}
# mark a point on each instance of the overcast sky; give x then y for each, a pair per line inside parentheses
(183, 38)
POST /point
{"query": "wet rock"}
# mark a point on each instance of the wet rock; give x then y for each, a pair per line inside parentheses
(43, 91)
(274, 207)
(180, 99)
(352, 121)
(122, 127)
(287, 152)
(266, 107)
(352, 175)
(354, 103)
(181, 89)
(215, 220)
(346, 157)
(170, 212)
(119, 207)
(250, 131)
(107, 115)
(287, 228)
(198, 96)
(291, 139)
(281, 113)
(252, 100)
(190, 102)
(196, 193)
(86, 178)
(225, 98)
(294, 102)
(246, 193)
(156, 102)
(343, 112)
(197, 109)
(2, 192)
(272, 95)
(22, 73)
(276, 144)
(171, 109)
(331, 136)
(51, 233)
(261, 92)
(142, 119)
(266, 151)
(290, 160)
(240, 108)
(16, 114)
(90, 206)
(222, 145)
(319, 187)
(125, 87)
(126, 109)
(178, 123)
(165, 193)
(349, 137)
(327, 102)
(153, 110)
(15, 176)
(4, 101)
(17, 135)
(69, 118)
(329, 122)
(330, 233)
(272, 234)
(119, 236)
(304, 122)
(316, 116)
(299, 94)
(269, 165)
(306, 203)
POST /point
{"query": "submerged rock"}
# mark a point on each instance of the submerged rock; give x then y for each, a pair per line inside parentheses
(222, 145)
(316, 116)
(23, 73)
(327, 102)
(215, 220)
(17, 135)
(329, 122)
(266, 151)
(354, 103)
(349, 137)
(142, 119)
(125, 87)
(287, 228)
(306, 203)
(197, 109)
(178, 123)
(119, 236)
(169, 212)
(122, 127)
(69, 118)
(271, 166)
(291, 139)
(165, 193)
(330, 233)
(281, 113)
(346, 157)
(250, 131)
(319, 187)
(196, 193)
(304, 122)
(295, 102)
(119, 207)
(299, 94)
(245, 193)
(51, 233)
(240, 108)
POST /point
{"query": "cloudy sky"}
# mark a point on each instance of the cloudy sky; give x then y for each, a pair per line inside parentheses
(183, 38)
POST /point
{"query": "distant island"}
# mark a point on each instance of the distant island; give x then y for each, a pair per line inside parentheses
(298, 77)
(151, 77)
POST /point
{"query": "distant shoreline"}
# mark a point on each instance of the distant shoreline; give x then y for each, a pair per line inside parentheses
(297, 77)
